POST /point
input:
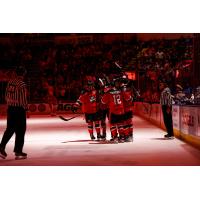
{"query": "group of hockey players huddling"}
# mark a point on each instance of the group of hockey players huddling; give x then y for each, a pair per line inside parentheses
(108, 97)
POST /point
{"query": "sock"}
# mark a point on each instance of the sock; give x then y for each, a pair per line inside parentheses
(121, 130)
(126, 130)
(113, 130)
(90, 128)
(97, 127)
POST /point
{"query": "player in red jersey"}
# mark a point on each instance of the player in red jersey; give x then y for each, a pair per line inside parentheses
(113, 98)
(128, 97)
(89, 105)
(103, 87)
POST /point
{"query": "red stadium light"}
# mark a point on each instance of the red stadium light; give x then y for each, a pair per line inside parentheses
(131, 75)
(177, 73)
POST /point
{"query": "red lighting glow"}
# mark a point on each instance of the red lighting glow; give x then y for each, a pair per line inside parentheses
(177, 73)
(131, 75)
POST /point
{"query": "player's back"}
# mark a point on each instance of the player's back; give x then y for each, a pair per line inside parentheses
(89, 101)
(114, 100)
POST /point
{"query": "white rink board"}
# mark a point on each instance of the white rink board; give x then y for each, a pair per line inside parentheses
(189, 120)
(176, 116)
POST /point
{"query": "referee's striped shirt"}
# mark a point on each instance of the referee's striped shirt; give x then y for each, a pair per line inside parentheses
(16, 93)
(166, 98)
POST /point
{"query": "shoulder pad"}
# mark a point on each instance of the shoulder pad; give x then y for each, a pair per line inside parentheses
(114, 91)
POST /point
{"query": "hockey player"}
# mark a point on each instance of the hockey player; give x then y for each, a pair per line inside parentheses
(128, 97)
(103, 87)
(89, 105)
(114, 100)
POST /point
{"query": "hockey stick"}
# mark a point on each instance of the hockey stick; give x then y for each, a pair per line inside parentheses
(65, 119)
(118, 65)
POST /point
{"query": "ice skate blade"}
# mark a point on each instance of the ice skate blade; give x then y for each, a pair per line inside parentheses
(169, 138)
(20, 157)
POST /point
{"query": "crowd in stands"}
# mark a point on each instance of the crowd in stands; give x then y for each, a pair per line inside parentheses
(164, 59)
(64, 66)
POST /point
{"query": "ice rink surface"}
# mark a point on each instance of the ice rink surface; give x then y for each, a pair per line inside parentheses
(52, 142)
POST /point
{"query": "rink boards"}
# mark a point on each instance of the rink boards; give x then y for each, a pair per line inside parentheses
(43, 108)
(186, 120)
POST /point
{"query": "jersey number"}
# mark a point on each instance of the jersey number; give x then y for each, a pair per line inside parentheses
(92, 99)
(117, 99)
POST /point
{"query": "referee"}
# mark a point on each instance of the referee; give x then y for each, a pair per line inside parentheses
(166, 103)
(16, 98)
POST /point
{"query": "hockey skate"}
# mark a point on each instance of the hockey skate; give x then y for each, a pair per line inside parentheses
(3, 154)
(114, 140)
(167, 136)
(98, 137)
(128, 139)
(20, 156)
(121, 139)
(92, 137)
(103, 137)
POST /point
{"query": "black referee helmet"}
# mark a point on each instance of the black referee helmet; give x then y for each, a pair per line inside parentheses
(20, 70)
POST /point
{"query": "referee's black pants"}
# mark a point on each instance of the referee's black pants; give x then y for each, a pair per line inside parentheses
(168, 120)
(16, 123)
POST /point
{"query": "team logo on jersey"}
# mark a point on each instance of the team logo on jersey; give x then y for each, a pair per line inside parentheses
(92, 99)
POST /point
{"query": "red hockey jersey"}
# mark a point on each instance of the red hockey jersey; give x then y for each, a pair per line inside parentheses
(114, 100)
(127, 99)
(88, 102)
